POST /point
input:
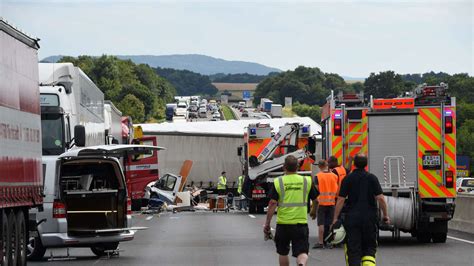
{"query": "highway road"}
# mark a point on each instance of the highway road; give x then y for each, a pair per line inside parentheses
(206, 238)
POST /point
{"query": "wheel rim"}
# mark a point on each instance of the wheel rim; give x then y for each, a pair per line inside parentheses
(22, 244)
(30, 248)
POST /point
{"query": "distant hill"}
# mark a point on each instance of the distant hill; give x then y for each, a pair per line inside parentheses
(202, 64)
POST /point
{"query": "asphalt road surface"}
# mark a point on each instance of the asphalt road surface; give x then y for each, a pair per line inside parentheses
(206, 238)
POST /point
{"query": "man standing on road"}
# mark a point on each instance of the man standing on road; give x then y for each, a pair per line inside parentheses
(222, 184)
(337, 169)
(243, 200)
(326, 183)
(290, 194)
(362, 190)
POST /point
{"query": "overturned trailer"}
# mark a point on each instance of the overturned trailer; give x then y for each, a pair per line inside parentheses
(212, 146)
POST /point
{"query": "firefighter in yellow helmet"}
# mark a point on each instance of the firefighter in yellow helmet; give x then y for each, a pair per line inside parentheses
(362, 190)
(291, 193)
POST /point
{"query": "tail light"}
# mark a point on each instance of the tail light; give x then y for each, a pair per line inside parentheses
(461, 190)
(59, 209)
(448, 124)
(129, 206)
(337, 127)
(449, 179)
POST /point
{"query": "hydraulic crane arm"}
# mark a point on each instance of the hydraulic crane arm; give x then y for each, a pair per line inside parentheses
(271, 147)
(274, 164)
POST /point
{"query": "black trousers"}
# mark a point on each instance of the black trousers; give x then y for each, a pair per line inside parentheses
(361, 240)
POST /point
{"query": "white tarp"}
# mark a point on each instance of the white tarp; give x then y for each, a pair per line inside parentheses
(211, 145)
(225, 128)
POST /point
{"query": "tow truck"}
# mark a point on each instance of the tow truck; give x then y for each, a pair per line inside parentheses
(263, 155)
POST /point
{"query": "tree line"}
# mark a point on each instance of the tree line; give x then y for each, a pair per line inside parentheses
(135, 89)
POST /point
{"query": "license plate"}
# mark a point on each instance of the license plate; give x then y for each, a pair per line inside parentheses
(431, 162)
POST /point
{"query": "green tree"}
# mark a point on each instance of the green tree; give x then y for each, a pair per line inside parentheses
(465, 140)
(384, 85)
(132, 106)
(314, 111)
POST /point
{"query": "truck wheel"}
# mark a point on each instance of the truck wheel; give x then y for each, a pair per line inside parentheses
(21, 243)
(260, 209)
(423, 237)
(252, 207)
(13, 256)
(35, 250)
(439, 237)
(5, 239)
(136, 204)
(99, 250)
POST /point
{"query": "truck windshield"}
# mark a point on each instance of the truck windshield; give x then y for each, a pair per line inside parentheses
(52, 132)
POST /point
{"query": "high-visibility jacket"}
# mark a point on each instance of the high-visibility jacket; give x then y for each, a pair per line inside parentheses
(293, 191)
(241, 183)
(341, 172)
(328, 188)
(222, 182)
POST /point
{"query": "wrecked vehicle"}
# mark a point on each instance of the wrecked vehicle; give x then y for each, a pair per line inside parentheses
(86, 204)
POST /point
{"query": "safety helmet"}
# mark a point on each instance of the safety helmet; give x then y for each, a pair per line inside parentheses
(336, 236)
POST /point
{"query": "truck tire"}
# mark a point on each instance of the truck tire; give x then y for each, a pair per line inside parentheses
(35, 250)
(22, 234)
(136, 204)
(439, 237)
(14, 237)
(99, 250)
(423, 237)
(260, 209)
(252, 207)
(5, 242)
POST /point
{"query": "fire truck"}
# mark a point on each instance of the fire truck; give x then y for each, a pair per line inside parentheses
(411, 147)
(263, 155)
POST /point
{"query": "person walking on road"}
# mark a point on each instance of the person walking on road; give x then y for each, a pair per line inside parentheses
(363, 191)
(290, 194)
(326, 184)
(339, 170)
(243, 199)
(222, 184)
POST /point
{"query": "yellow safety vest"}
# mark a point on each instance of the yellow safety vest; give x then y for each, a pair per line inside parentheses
(241, 183)
(222, 182)
(293, 191)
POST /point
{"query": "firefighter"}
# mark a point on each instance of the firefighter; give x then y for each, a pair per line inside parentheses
(290, 193)
(363, 191)
(326, 184)
(222, 184)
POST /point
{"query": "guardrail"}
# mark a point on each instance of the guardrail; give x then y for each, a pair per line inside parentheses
(463, 219)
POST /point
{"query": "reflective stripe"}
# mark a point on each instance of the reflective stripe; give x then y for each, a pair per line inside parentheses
(368, 261)
(326, 200)
(327, 194)
(282, 194)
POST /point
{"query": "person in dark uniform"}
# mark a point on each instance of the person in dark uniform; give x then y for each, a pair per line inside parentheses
(363, 191)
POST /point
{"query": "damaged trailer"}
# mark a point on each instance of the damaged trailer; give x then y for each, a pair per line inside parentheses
(212, 146)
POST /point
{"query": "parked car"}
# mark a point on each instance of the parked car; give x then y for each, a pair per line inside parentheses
(202, 112)
(465, 185)
(216, 115)
(87, 204)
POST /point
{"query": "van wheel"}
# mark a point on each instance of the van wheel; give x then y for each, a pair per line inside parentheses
(136, 204)
(99, 250)
(35, 250)
(424, 237)
(14, 238)
(21, 243)
(5, 243)
(252, 207)
(439, 237)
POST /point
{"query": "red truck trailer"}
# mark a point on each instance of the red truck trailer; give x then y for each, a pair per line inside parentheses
(21, 181)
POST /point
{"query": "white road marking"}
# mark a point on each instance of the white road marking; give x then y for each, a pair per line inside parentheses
(252, 216)
(149, 218)
(462, 240)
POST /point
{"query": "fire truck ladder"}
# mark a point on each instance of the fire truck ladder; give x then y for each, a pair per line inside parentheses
(394, 181)
(353, 133)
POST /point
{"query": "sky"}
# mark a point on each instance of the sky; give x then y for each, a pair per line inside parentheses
(351, 38)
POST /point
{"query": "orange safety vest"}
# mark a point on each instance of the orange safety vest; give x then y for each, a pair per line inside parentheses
(328, 188)
(341, 172)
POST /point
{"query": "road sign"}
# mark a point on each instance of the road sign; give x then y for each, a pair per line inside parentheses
(246, 95)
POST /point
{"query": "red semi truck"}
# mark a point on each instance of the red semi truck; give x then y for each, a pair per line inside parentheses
(21, 181)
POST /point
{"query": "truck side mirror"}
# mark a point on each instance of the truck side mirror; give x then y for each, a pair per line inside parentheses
(80, 136)
(239, 151)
